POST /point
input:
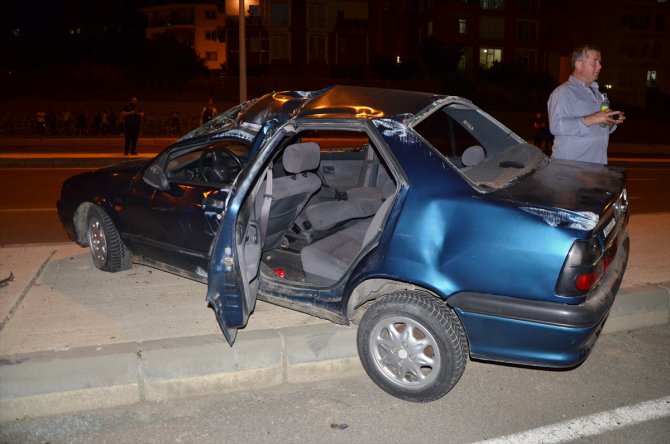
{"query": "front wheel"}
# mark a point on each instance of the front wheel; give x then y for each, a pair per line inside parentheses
(412, 346)
(108, 251)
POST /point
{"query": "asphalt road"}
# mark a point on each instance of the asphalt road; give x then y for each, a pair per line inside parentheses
(28, 200)
(621, 394)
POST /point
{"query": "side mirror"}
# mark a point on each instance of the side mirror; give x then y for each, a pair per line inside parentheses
(155, 177)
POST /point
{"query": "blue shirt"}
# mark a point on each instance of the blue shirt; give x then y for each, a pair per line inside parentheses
(573, 140)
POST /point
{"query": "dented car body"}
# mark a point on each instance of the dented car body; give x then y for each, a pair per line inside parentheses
(418, 216)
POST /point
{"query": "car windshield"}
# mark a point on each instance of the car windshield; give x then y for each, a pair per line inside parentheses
(483, 150)
(222, 122)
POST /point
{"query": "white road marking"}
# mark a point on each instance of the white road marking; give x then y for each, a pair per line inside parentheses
(591, 425)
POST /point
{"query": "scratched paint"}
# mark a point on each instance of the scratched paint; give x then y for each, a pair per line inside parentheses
(576, 220)
(396, 130)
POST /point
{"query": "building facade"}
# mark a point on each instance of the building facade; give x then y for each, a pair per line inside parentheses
(343, 38)
(196, 25)
(283, 37)
(636, 50)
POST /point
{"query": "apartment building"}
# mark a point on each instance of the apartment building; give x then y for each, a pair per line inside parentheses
(197, 25)
(283, 37)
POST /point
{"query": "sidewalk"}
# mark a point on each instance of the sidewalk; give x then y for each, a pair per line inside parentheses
(63, 151)
(74, 338)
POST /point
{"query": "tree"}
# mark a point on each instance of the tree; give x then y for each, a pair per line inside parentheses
(441, 61)
(163, 61)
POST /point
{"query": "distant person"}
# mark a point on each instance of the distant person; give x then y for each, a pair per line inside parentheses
(97, 122)
(52, 122)
(579, 114)
(81, 123)
(67, 122)
(208, 112)
(40, 122)
(175, 123)
(104, 122)
(132, 116)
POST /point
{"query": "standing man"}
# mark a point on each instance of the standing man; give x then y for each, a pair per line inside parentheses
(132, 115)
(579, 114)
(208, 112)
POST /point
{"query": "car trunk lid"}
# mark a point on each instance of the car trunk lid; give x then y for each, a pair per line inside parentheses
(571, 194)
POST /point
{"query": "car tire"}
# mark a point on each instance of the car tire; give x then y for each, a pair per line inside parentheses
(108, 251)
(412, 346)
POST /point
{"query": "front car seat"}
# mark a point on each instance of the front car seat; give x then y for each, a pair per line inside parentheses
(290, 193)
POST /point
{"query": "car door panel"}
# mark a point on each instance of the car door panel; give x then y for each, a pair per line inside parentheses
(233, 278)
(341, 169)
(174, 227)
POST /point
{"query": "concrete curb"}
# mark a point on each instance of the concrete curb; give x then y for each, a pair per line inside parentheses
(47, 383)
(52, 382)
(639, 307)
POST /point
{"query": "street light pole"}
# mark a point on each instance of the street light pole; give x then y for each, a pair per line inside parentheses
(243, 56)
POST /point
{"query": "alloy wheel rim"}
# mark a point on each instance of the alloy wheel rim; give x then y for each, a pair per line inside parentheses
(405, 352)
(97, 241)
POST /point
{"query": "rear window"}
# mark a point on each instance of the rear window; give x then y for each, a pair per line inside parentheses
(486, 153)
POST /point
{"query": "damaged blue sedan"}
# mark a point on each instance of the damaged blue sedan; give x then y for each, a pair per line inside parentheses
(419, 217)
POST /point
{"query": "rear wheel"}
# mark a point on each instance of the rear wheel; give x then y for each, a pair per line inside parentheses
(412, 346)
(107, 249)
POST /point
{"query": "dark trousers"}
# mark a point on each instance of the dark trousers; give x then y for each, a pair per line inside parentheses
(132, 133)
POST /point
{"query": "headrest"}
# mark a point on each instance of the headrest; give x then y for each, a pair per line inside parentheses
(473, 155)
(301, 157)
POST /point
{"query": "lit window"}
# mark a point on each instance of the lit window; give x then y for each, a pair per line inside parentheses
(429, 29)
(492, 4)
(462, 62)
(462, 26)
(651, 79)
(489, 56)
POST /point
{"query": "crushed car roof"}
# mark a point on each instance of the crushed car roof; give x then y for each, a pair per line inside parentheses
(338, 101)
(334, 101)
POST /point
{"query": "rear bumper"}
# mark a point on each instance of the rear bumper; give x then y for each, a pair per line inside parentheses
(502, 328)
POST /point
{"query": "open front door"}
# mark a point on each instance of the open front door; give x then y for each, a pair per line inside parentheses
(235, 260)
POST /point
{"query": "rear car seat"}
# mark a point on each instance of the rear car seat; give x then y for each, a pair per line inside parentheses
(327, 260)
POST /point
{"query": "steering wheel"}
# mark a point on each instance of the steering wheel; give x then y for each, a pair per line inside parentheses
(220, 169)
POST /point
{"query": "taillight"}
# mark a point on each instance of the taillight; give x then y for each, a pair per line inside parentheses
(585, 281)
(582, 269)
